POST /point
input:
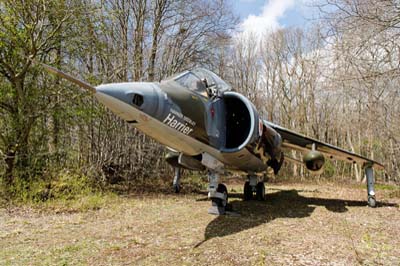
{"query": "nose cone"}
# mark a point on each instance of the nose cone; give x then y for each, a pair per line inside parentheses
(125, 99)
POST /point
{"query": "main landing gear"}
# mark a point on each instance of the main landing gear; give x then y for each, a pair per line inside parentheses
(254, 185)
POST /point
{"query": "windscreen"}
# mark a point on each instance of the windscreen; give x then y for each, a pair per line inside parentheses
(212, 79)
(200, 79)
(192, 82)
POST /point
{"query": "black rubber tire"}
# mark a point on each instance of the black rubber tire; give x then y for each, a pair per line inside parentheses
(371, 201)
(260, 191)
(177, 188)
(222, 189)
(247, 191)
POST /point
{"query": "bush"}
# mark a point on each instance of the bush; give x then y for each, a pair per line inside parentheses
(64, 186)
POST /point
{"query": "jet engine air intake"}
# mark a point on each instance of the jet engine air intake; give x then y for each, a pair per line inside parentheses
(314, 161)
(241, 126)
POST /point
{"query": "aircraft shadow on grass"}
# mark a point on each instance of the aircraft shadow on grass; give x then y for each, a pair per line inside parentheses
(280, 204)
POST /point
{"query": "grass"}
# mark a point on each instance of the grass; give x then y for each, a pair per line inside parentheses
(386, 187)
(93, 201)
(298, 224)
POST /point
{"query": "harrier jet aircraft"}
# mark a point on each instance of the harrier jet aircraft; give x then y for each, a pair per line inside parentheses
(207, 126)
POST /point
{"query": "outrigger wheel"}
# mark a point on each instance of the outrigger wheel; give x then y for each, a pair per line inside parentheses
(177, 188)
(371, 201)
(369, 172)
(177, 180)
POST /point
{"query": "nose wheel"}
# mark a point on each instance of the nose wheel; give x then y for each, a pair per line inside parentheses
(221, 202)
(218, 194)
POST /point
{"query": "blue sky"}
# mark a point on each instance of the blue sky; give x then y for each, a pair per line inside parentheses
(261, 15)
(245, 8)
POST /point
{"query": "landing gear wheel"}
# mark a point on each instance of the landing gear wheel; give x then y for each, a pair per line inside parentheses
(260, 191)
(219, 205)
(220, 202)
(177, 188)
(247, 191)
(371, 201)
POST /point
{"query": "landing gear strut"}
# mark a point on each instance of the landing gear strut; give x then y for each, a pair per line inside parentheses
(218, 194)
(177, 180)
(254, 185)
(369, 172)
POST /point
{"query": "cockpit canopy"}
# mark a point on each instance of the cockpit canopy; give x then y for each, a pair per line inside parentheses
(202, 81)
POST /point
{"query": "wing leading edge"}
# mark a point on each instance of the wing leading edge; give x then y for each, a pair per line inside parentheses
(299, 142)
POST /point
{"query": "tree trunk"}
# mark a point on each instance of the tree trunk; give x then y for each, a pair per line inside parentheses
(10, 163)
(158, 16)
(139, 13)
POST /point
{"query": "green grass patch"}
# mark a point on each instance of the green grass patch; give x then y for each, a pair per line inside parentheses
(194, 182)
(65, 186)
(392, 191)
(64, 193)
(387, 187)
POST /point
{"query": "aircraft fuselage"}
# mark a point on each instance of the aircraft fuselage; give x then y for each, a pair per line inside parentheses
(225, 126)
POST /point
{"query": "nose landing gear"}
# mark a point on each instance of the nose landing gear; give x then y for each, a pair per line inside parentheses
(218, 194)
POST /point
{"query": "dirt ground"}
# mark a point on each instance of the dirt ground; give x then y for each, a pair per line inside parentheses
(297, 225)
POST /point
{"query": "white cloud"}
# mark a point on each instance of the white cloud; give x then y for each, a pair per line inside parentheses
(269, 18)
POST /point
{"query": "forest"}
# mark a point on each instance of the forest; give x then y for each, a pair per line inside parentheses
(336, 80)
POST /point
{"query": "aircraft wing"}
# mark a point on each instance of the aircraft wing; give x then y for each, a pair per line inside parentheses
(299, 142)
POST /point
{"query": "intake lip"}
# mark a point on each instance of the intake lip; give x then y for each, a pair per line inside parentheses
(252, 134)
